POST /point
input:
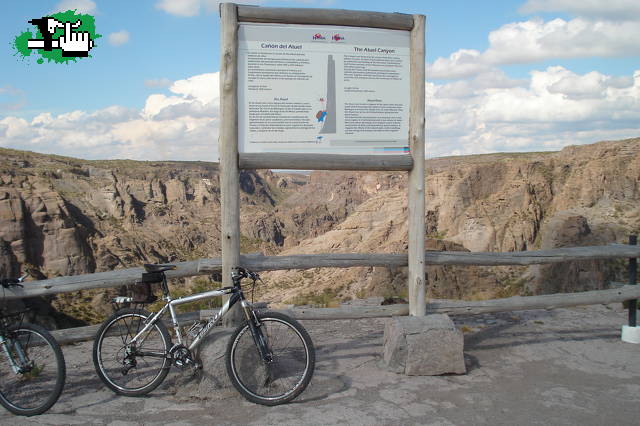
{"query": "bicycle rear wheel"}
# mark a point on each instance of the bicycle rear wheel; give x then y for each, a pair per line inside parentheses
(38, 383)
(127, 369)
(283, 378)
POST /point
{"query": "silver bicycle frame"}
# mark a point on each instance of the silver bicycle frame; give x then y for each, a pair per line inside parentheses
(171, 304)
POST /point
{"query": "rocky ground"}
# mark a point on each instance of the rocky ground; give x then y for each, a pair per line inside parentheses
(565, 366)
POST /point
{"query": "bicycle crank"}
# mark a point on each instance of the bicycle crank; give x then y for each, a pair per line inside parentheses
(182, 357)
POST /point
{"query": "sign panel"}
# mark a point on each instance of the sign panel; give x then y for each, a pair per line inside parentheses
(322, 89)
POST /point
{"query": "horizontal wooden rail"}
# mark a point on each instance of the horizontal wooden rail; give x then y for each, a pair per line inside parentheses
(116, 278)
(347, 260)
(451, 307)
(537, 257)
(350, 18)
(462, 307)
(272, 160)
(309, 261)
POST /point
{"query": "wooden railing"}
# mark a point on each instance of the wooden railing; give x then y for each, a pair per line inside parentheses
(122, 277)
(269, 263)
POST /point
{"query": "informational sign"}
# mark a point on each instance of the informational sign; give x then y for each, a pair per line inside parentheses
(322, 89)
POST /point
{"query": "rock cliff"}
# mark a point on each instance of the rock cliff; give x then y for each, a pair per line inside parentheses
(64, 216)
(583, 195)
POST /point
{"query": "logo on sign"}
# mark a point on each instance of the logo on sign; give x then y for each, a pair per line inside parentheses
(337, 37)
(318, 36)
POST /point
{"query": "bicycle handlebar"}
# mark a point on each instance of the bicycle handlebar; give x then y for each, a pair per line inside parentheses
(240, 273)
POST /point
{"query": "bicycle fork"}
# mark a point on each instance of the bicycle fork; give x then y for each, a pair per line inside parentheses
(256, 332)
(17, 369)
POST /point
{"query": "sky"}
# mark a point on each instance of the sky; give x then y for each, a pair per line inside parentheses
(502, 76)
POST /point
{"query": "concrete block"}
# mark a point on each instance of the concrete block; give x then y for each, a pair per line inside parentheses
(423, 346)
(630, 334)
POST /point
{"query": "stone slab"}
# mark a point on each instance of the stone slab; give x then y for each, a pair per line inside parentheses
(423, 346)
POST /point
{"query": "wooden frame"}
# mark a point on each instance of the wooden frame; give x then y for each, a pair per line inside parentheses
(347, 18)
(272, 160)
(231, 161)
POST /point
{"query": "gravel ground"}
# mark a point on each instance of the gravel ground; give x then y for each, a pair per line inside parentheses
(565, 366)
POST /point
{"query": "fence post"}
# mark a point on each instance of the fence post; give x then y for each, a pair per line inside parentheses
(633, 277)
(228, 150)
(416, 201)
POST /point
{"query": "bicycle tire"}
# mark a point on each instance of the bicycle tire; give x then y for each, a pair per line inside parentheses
(281, 380)
(35, 391)
(131, 375)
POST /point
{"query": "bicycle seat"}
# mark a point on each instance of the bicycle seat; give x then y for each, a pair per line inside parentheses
(152, 267)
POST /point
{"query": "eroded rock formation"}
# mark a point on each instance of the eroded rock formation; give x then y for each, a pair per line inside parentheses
(63, 216)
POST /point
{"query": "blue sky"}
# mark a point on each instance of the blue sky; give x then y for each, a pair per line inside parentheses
(503, 75)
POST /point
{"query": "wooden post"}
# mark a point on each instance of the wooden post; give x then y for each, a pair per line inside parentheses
(633, 278)
(228, 147)
(417, 305)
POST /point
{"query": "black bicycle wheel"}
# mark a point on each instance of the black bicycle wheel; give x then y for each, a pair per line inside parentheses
(280, 380)
(127, 369)
(32, 370)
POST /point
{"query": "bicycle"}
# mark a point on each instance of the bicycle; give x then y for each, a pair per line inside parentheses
(32, 366)
(270, 358)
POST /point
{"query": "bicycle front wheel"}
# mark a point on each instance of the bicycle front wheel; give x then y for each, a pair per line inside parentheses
(32, 370)
(290, 369)
(127, 368)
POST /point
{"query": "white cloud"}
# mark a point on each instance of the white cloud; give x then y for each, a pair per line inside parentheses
(203, 88)
(81, 6)
(183, 126)
(589, 86)
(158, 82)
(195, 96)
(189, 8)
(158, 102)
(554, 108)
(610, 9)
(180, 7)
(16, 128)
(119, 38)
(536, 40)
(460, 64)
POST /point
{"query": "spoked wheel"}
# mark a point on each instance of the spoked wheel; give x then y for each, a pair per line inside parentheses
(32, 370)
(131, 369)
(291, 364)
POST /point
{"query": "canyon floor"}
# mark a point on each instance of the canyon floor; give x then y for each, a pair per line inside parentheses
(563, 366)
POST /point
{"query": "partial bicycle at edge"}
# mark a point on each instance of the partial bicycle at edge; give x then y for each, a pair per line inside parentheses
(32, 366)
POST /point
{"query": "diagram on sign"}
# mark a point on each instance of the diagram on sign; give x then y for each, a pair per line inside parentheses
(329, 113)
